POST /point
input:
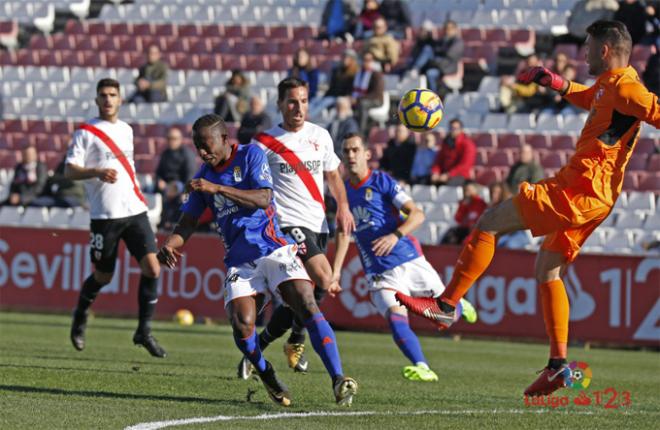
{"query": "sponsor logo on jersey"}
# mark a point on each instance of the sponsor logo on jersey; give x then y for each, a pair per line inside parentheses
(312, 166)
(224, 205)
(265, 173)
(362, 218)
(238, 176)
(124, 154)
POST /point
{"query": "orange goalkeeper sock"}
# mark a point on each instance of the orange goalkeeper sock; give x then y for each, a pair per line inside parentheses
(555, 314)
(472, 262)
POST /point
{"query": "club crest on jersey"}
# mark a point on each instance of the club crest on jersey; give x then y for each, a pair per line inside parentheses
(314, 144)
(368, 194)
(599, 94)
(238, 176)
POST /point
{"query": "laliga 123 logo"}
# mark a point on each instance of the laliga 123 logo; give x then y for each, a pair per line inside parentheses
(580, 378)
(580, 375)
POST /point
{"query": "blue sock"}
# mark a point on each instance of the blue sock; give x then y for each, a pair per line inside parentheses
(405, 338)
(249, 346)
(324, 343)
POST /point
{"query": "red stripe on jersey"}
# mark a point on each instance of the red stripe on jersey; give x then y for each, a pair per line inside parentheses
(118, 154)
(294, 162)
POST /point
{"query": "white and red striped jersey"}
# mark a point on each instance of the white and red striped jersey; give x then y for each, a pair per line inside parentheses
(297, 162)
(108, 201)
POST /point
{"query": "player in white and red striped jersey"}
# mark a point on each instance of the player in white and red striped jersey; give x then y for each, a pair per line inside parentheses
(101, 155)
(301, 156)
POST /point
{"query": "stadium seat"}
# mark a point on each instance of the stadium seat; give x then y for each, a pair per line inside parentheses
(619, 242)
(11, 215)
(650, 182)
(427, 234)
(630, 220)
(424, 193)
(449, 194)
(80, 219)
(641, 201)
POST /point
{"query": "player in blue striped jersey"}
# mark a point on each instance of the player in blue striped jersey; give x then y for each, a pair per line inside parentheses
(236, 183)
(392, 260)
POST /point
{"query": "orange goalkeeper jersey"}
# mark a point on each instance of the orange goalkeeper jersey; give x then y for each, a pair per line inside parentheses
(617, 103)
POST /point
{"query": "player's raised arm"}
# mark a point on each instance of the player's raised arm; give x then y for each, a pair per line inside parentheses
(575, 93)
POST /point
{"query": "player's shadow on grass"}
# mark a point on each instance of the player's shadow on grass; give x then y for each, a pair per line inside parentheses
(126, 396)
(104, 326)
(121, 372)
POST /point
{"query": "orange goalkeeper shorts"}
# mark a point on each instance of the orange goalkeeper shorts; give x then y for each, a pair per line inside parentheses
(564, 216)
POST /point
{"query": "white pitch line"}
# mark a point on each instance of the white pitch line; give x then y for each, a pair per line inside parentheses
(155, 425)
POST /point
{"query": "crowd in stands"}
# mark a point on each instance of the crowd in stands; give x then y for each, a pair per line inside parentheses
(349, 95)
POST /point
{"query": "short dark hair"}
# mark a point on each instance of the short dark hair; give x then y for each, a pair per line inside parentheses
(107, 82)
(453, 120)
(352, 135)
(613, 33)
(289, 84)
(210, 121)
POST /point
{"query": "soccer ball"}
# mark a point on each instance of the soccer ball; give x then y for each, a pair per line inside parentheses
(184, 317)
(420, 110)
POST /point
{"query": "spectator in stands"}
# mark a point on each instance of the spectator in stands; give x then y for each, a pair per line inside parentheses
(637, 16)
(399, 154)
(30, 176)
(338, 20)
(583, 13)
(151, 82)
(177, 163)
(304, 69)
(233, 103)
(454, 162)
(254, 121)
(173, 196)
(651, 75)
(517, 97)
(365, 22)
(468, 213)
(443, 58)
(60, 191)
(341, 83)
(384, 48)
(368, 90)
(559, 63)
(525, 169)
(498, 192)
(343, 124)
(422, 51)
(397, 16)
(425, 154)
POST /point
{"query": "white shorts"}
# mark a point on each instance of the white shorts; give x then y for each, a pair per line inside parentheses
(416, 278)
(264, 275)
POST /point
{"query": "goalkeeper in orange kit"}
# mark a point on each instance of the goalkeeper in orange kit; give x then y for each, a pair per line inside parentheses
(567, 208)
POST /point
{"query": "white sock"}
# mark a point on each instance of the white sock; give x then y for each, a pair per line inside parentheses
(422, 365)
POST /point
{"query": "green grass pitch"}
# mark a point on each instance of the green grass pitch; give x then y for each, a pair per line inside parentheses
(46, 384)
